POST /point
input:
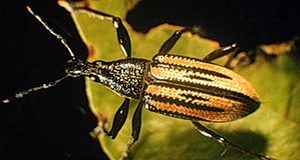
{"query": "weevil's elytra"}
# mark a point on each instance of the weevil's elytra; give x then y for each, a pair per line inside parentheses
(178, 86)
(193, 89)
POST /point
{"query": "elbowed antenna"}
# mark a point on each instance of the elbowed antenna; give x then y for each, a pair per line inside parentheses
(58, 36)
(34, 89)
(45, 85)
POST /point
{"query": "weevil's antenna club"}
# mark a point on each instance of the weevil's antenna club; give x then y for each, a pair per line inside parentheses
(58, 36)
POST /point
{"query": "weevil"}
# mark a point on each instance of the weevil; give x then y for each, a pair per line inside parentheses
(173, 85)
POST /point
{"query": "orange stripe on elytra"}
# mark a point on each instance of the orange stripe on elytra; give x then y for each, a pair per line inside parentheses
(174, 108)
(206, 115)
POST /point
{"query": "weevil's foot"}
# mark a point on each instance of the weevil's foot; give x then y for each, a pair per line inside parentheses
(96, 132)
(224, 152)
(100, 129)
(239, 60)
(196, 29)
(125, 156)
(265, 55)
(265, 157)
(244, 58)
(102, 120)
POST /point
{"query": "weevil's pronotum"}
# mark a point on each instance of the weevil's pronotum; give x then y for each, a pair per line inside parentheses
(178, 86)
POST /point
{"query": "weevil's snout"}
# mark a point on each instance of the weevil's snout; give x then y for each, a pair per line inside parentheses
(75, 67)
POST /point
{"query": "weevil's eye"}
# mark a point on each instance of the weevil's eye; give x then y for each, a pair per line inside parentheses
(98, 63)
(95, 78)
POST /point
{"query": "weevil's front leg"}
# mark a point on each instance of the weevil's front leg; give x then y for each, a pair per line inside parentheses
(211, 134)
(169, 43)
(122, 33)
(119, 120)
(136, 128)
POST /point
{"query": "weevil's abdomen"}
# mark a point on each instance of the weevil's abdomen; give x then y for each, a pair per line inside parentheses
(192, 89)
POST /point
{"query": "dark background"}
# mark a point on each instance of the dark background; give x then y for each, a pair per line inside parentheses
(245, 22)
(50, 124)
(54, 123)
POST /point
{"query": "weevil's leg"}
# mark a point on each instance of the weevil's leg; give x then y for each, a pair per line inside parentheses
(136, 128)
(211, 134)
(221, 52)
(119, 120)
(169, 43)
(122, 33)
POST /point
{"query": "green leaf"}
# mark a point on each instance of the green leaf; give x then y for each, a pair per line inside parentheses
(273, 129)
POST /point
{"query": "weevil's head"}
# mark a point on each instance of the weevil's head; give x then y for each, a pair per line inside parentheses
(95, 70)
(76, 68)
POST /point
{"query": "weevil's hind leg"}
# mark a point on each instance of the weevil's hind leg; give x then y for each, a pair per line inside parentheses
(221, 52)
(119, 120)
(136, 128)
(211, 134)
(169, 43)
(122, 33)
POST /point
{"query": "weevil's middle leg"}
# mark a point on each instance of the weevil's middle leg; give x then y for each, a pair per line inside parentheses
(119, 120)
(122, 33)
(169, 43)
(211, 134)
(136, 128)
